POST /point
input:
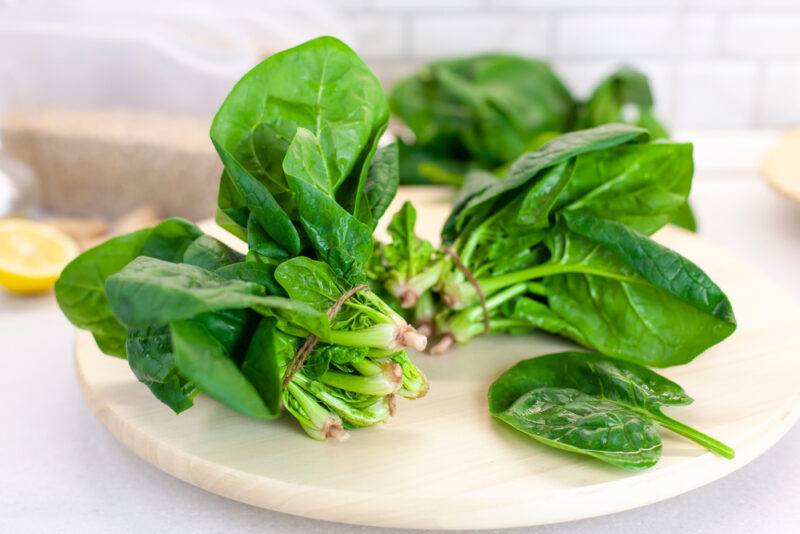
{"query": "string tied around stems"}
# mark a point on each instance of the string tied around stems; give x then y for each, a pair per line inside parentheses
(308, 345)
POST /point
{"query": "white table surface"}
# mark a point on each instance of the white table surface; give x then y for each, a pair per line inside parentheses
(61, 471)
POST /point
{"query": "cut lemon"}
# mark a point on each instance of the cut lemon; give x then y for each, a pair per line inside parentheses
(32, 255)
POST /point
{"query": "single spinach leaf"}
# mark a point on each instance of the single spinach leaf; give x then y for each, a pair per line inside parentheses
(169, 239)
(152, 360)
(263, 363)
(408, 254)
(150, 291)
(626, 384)
(641, 185)
(211, 254)
(632, 298)
(308, 281)
(203, 359)
(570, 420)
(338, 238)
(591, 373)
(80, 290)
(261, 203)
(382, 180)
(258, 273)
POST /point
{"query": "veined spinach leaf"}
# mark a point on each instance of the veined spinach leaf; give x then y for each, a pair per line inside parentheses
(80, 290)
(573, 421)
(211, 254)
(599, 384)
(152, 360)
(202, 358)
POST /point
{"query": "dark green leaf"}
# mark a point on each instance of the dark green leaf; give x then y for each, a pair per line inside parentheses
(210, 253)
(151, 359)
(382, 180)
(205, 361)
(573, 421)
(80, 291)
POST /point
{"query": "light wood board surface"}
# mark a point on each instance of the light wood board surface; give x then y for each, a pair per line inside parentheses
(442, 462)
(781, 166)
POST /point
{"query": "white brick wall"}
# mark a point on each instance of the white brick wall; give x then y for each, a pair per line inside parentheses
(713, 63)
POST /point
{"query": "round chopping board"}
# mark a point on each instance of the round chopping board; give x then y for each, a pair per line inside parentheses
(442, 462)
(781, 166)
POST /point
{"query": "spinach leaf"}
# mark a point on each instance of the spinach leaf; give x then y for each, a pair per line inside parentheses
(249, 271)
(629, 386)
(408, 254)
(80, 290)
(641, 185)
(309, 281)
(624, 96)
(209, 253)
(529, 165)
(338, 238)
(152, 360)
(263, 362)
(573, 421)
(591, 373)
(685, 218)
(169, 239)
(149, 291)
(633, 298)
(261, 203)
(202, 358)
(381, 183)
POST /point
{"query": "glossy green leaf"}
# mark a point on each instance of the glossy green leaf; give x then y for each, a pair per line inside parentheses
(570, 420)
(263, 362)
(80, 290)
(626, 384)
(529, 165)
(152, 360)
(382, 180)
(211, 254)
(205, 361)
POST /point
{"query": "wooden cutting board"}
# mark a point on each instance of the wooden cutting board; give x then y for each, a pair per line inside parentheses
(442, 462)
(781, 166)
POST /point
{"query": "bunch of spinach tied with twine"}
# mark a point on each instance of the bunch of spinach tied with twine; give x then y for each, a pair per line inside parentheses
(560, 243)
(292, 323)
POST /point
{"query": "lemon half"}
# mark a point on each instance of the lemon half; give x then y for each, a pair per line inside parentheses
(32, 255)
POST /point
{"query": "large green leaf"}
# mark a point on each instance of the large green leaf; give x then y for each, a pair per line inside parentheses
(80, 290)
(632, 298)
(629, 386)
(150, 291)
(528, 166)
(641, 185)
(202, 358)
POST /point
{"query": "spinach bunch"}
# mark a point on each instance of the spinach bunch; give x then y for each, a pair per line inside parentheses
(590, 404)
(484, 111)
(304, 185)
(298, 136)
(561, 244)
